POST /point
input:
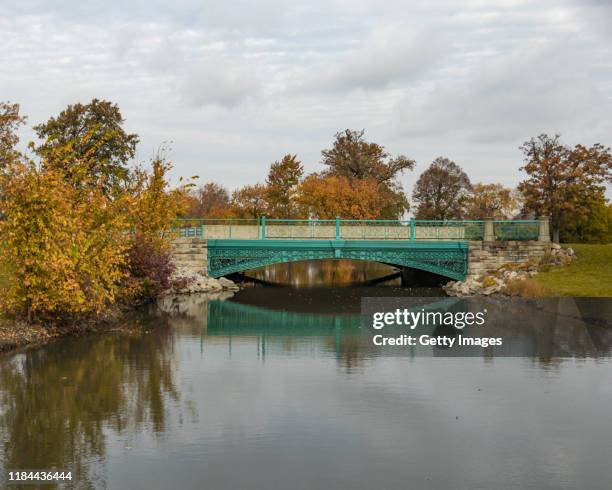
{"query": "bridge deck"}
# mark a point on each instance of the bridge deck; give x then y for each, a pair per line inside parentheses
(340, 229)
(438, 246)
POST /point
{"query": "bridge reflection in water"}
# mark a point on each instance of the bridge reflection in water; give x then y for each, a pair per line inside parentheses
(563, 327)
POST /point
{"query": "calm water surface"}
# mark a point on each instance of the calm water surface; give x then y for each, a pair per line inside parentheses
(276, 388)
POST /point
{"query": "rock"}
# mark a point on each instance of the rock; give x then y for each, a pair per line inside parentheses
(228, 284)
(555, 246)
(190, 281)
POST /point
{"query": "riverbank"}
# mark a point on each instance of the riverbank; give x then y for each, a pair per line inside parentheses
(16, 333)
(589, 275)
(575, 270)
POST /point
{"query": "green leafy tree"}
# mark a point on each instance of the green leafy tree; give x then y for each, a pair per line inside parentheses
(594, 226)
(442, 191)
(94, 133)
(281, 184)
(563, 181)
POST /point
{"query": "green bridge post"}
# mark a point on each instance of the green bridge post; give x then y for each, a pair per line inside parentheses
(412, 229)
(263, 227)
(337, 227)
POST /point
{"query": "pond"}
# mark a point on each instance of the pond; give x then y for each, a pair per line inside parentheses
(276, 388)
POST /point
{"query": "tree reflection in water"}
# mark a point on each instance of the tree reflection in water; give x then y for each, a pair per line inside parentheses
(328, 272)
(77, 403)
(57, 402)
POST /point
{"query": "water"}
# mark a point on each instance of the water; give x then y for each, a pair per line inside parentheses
(276, 388)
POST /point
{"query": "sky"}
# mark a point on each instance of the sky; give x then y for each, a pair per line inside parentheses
(231, 86)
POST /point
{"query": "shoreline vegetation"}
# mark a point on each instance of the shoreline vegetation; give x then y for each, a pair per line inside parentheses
(85, 228)
(590, 275)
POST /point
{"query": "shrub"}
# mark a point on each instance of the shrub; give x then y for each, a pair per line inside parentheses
(489, 281)
(149, 270)
(526, 288)
(63, 249)
(70, 248)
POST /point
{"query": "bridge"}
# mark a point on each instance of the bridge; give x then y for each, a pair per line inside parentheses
(451, 248)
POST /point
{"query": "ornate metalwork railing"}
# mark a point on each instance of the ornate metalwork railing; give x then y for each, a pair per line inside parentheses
(516, 229)
(447, 258)
(345, 229)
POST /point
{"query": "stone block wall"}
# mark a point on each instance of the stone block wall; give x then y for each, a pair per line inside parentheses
(485, 257)
(190, 254)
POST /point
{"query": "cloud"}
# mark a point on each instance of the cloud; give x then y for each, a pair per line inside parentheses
(540, 87)
(391, 53)
(237, 84)
(218, 81)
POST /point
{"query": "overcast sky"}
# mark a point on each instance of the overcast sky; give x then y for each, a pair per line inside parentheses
(234, 85)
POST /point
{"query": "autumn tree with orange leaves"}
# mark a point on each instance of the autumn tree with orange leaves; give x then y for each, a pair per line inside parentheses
(491, 201)
(211, 200)
(562, 181)
(326, 197)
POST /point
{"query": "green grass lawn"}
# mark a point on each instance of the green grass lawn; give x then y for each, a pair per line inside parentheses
(589, 275)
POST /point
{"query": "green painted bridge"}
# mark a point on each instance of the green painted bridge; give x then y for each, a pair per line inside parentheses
(447, 258)
(439, 247)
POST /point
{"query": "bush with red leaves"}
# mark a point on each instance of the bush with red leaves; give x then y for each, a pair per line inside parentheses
(150, 271)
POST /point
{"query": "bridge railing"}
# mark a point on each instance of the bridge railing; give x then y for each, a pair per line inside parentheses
(345, 229)
(516, 229)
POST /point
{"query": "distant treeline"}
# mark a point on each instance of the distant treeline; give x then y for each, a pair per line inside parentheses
(361, 181)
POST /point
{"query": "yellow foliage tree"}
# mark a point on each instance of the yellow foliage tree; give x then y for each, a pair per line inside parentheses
(69, 246)
(63, 248)
(154, 206)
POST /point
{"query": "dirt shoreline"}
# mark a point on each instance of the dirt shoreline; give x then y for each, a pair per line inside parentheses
(16, 333)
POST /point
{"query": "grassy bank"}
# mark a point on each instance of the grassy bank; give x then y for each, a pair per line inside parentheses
(589, 275)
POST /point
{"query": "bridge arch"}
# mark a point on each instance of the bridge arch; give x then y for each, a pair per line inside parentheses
(446, 258)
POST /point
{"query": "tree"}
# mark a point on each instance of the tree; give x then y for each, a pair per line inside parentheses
(62, 250)
(563, 181)
(154, 206)
(250, 201)
(491, 201)
(329, 196)
(353, 157)
(68, 250)
(442, 191)
(281, 184)
(212, 200)
(594, 226)
(94, 132)
(10, 120)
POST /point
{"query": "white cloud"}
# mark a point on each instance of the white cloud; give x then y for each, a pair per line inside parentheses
(391, 53)
(235, 85)
(217, 81)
